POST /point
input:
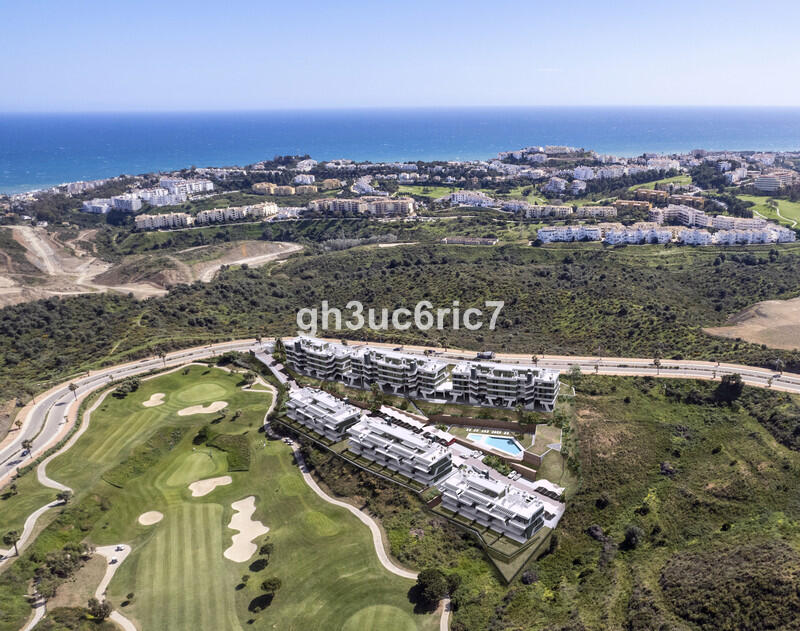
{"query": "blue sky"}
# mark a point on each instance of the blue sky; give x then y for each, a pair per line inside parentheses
(64, 55)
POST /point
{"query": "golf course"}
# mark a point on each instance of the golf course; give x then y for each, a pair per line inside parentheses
(139, 460)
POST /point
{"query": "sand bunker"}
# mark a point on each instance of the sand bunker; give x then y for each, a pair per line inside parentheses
(154, 400)
(150, 518)
(204, 487)
(242, 546)
(200, 409)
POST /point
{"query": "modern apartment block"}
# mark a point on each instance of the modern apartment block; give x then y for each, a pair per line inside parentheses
(409, 449)
(235, 213)
(639, 233)
(407, 374)
(773, 181)
(396, 372)
(504, 385)
(695, 201)
(631, 204)
(322, 413)
(379, 206)
(686, 215)
(493, 504)
(177, 185)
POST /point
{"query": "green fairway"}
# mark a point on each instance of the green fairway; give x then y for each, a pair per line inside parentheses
(678, 179)
(331, 575)
(790, 211)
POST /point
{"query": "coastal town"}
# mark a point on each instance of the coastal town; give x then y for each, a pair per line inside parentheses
(569, 194)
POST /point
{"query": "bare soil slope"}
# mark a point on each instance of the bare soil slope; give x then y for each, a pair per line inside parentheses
(775, 323)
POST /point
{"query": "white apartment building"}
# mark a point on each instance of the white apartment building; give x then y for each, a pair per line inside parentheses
(410, 449)
(695, 236)
(516, 205)
(504, 385)
(304, 178)
(577, 187)
(98, 206)
(167, 220)
(555, 185)
(322, 413)
(160, 196)
(736, 175)
(236, 213)
(686, 215)
(396, 372)
(308, 164)
(663, 164)
(535, 212)
(596, 211)
(583, 173)
(724, 222)
(178, 186)
(129, 202)
(638, 233)
(612, 171)
(470, 198)
(378, 206)
(580, 232)
(492, 503)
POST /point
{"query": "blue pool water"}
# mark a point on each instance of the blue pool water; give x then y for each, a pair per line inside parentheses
(508, 445)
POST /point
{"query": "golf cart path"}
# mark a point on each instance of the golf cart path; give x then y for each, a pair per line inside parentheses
(377, 537)
(110, 552)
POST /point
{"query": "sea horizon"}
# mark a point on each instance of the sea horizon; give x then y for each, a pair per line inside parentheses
(39, 150)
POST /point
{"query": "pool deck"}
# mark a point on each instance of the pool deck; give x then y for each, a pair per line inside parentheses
(484, 441)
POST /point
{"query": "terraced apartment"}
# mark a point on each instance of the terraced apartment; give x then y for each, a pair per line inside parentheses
(480, 383)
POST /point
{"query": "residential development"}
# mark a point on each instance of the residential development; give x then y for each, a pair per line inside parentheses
(411, 375)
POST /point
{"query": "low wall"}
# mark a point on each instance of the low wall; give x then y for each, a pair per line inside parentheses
(490, 423)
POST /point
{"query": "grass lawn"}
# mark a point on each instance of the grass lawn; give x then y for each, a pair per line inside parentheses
(431, 192)
(545, 435)
(678, 179)
(180, 579)
(790, 211)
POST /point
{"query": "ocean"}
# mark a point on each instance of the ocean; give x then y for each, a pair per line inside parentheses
(41, 150)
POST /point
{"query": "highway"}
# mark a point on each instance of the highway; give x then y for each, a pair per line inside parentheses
(45, 421)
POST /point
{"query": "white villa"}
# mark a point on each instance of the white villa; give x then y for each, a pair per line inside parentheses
(580, 232)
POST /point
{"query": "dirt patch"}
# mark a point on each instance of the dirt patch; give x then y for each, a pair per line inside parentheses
(154, 400)
(242, 547)
(203, 409)
(204, 487)
(775, 323)
(151, 517)
(80, 587)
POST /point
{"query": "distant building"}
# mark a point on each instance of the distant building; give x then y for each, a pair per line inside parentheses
(470, 198)
(595, 211)
(631, 204)
(695, 201)
(580, 232)
(639, 233)
(774, 180)
(284, 191)
(555, 185)
(536, 212)
(186, 187)
(167, 220)
(469, 241)
(129, 202)
(306, 189)
(98, 206)
(577, 187)
(304, 178)
(652, 195)
(330, 184)
(264, 188)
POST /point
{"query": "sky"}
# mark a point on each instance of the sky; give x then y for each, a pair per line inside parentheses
(172, 55)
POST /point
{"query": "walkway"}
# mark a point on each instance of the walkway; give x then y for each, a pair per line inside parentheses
(112, 552)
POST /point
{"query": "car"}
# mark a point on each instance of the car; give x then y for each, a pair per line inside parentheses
(112, 561)
(119, 548)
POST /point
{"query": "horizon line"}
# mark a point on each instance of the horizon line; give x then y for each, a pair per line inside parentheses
(388, 108)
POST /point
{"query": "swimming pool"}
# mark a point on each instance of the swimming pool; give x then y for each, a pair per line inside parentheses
(501, 443)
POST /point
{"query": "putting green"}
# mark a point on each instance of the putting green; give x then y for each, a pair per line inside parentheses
(196, 465)
(380, 617)
(201, 392)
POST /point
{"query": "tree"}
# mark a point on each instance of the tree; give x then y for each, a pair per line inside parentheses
(279, 353)
(729, 389)
(249, 377)
(27, 445)
(267, 549)
(535, 359)
(271, 585)
(575, 375)
(99, 610)
(633, 537)
(73, 389)
(10, 539)
(657, 364)
(432, 585)
(64, 496)
(12, 488)
(18, 424)
(162, 356)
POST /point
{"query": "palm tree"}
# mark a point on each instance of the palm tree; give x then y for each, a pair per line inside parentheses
(11, 538)
(74, 390)
(163, 357)
(657, 364)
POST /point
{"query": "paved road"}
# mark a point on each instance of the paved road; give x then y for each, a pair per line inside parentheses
(45, 420)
